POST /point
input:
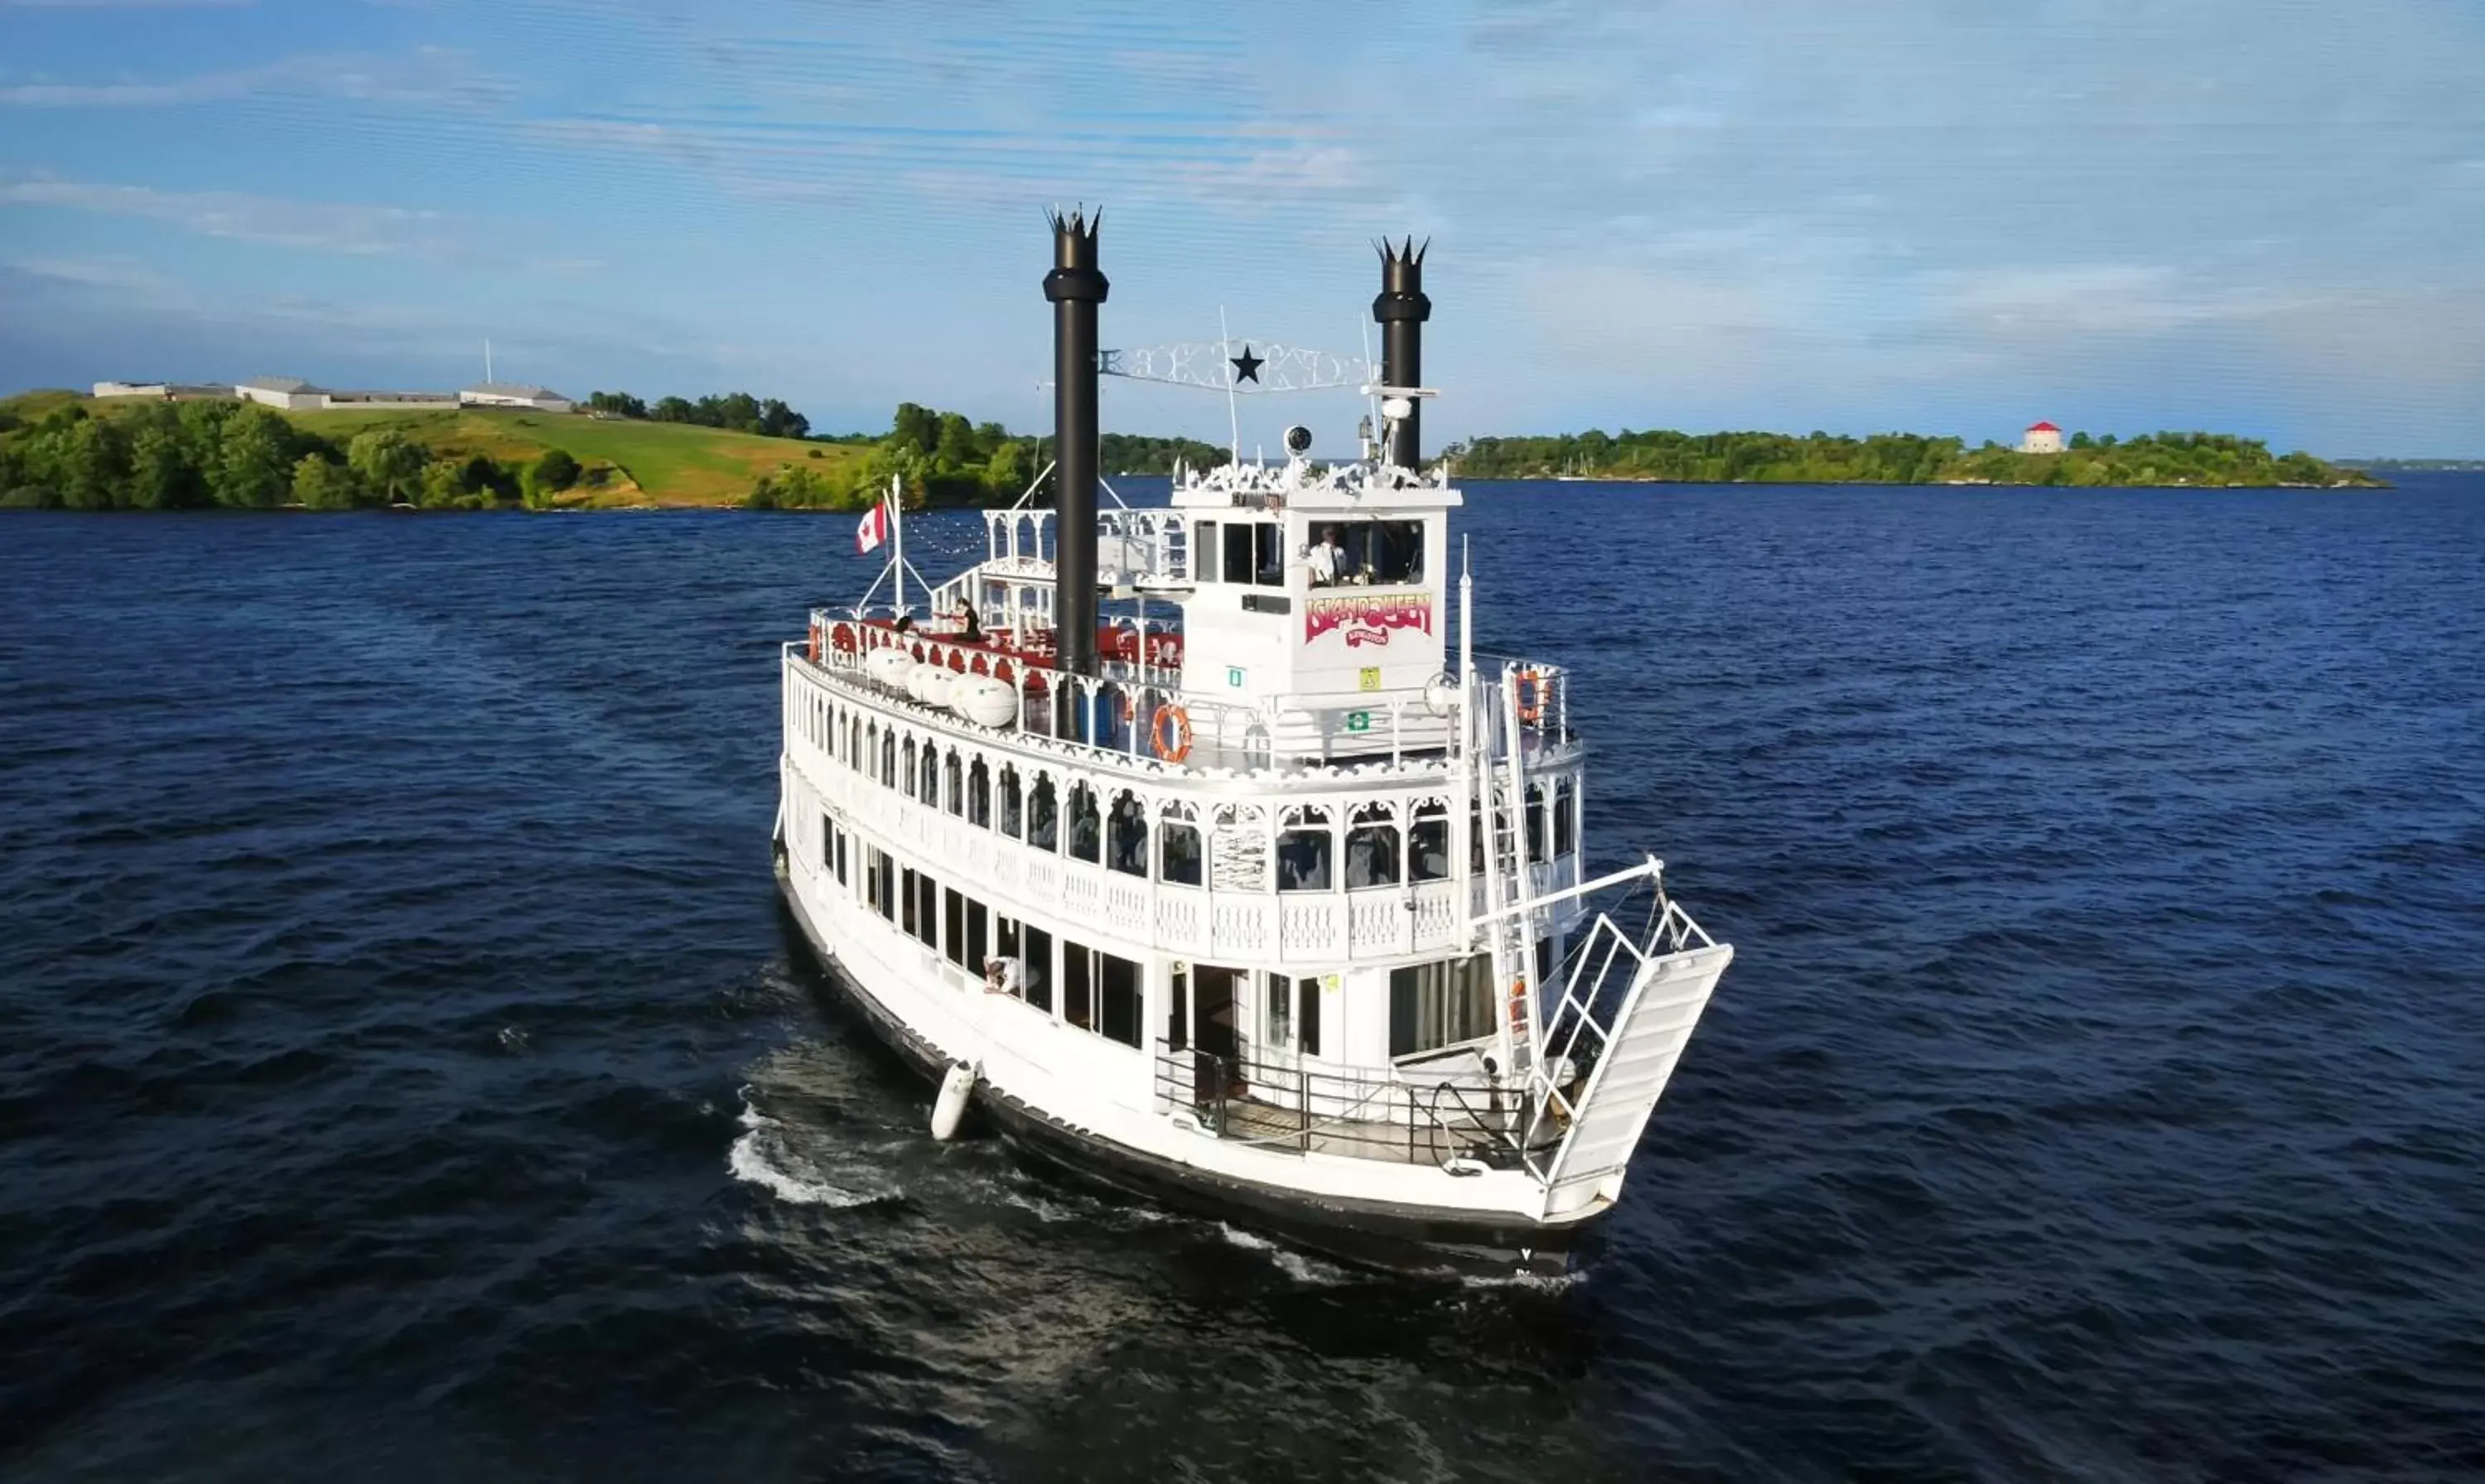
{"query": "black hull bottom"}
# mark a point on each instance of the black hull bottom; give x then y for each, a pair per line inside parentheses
(1394, 1238)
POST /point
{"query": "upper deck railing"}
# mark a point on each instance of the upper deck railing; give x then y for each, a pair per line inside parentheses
(1124, 701)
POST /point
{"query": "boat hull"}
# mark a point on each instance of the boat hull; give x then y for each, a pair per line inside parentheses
(1396, 1237)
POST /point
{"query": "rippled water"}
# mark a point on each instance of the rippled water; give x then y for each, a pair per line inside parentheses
(403, 1071)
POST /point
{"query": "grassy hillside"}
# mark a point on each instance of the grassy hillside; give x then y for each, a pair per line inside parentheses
(624, 462)
(657, 463)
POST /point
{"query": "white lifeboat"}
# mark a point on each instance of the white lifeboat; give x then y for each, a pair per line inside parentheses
(983, 700)
(929, 683)
(890, 666)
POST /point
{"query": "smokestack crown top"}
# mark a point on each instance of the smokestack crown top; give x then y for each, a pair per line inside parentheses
(1401, 265)
(1074, 274)
(1074, 237)
(1402, 283)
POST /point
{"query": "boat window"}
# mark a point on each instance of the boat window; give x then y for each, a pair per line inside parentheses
(1078, 984)
(929, 789)
(1269, 553)
(1565, 817)
(1127, 836)
(906, 903)
(1120, 986)
(1039, 968)
(953, 926)
(875, 882)
(978, 936)
(1178, 847)
(1377, 554)
(1537, 828)
(1239, 856)
(1307, 1019)
(1436, 1005)
(1304, 850)
(1178, 1010)
(1238, 553)
(1042, 818)
(1277, 1011)
(888, 759)
(953, 795)
(841, 857)
(1207, 548)
(1372, 848)
(979, 794)
(828, 844)
(1086, 833)
(1475, 837)
(906, 763)
(927, 908)
(1427, 843)
(1009, 800)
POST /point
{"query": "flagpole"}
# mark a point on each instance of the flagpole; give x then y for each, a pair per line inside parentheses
(898, 537)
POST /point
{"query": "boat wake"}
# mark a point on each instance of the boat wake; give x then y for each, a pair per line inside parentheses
(768, 1155)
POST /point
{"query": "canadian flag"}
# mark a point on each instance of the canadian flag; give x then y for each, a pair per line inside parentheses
(874, 528)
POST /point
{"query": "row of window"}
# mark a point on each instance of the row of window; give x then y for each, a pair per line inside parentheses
(1384, 843)
(1252, 554)
(1100, 991)
(1431, 1005)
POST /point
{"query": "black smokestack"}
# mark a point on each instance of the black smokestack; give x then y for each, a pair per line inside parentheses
(1402, 309)
(1076, 287)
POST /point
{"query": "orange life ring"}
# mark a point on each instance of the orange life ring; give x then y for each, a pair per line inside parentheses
(1130, 708)
(815, 644)
(1169, 733)
(1531, 696)
(1519, 1003)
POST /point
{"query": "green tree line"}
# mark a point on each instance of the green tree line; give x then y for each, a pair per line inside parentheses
(736, 411)
(208, 454)
(942, 458)
(1893, 458)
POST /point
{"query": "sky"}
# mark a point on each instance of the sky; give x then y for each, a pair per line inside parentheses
(1941, 216)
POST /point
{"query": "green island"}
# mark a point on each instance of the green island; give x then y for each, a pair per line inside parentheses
(62, 451)
(2217, 460)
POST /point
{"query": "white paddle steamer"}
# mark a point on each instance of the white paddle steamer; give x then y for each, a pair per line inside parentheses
(1170, 841)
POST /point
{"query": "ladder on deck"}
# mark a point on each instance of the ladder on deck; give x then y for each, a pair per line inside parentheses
(1500, 761)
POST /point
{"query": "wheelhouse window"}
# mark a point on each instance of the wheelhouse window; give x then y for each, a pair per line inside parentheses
(1436, 1005)
(1372, 553)
(1208, 551)
(1305, 847)
(1178, 847)
(1372, 848)
(1237, 565)
(1125, 836)
(1565, 817)
(1428, 841)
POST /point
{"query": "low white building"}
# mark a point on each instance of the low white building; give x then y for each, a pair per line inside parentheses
(2042, 438)
(504, 393)
(162, 391)
(421, 401)
(290, 393)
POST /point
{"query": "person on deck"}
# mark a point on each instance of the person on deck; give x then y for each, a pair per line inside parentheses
(970, 629)
(1325, 559)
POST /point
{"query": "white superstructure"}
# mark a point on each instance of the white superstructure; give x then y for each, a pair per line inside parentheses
(1279, 913)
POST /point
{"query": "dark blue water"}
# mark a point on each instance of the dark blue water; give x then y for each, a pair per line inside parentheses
(404, 1074)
